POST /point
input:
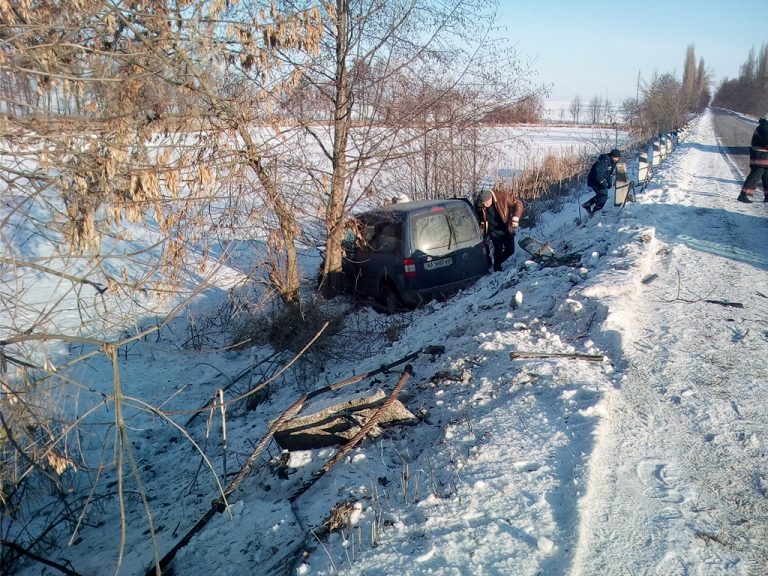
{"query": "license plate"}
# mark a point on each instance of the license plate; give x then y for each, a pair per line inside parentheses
(435, 264)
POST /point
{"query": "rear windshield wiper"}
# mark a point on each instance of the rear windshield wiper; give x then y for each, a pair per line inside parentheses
(451, 231)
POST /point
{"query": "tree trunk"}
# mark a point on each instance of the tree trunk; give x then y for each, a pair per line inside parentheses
(334, 220)
(283, 274)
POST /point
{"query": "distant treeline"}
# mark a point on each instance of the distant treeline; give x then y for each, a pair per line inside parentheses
(749, 92)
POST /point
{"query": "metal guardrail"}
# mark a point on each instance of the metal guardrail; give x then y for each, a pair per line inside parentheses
(657, 151)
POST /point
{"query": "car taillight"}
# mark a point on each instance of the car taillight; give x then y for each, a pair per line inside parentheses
(410, 267)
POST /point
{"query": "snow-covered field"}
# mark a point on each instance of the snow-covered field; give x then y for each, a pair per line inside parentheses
(651, 460)
(560, 111)
(530, 145)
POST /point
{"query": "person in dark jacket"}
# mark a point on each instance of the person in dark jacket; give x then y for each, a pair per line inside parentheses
(601, 178)
(758, 163)
(499, 213)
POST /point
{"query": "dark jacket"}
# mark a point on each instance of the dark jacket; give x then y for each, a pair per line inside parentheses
(602, 173)
(758, 152)
(507, 206)
(760, 137)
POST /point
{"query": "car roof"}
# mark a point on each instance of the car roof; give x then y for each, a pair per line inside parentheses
(418, 206)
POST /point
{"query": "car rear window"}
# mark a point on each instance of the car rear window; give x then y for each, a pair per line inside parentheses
(443, 229)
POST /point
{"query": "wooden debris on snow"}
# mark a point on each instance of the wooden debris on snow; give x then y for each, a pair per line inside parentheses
(338, 423)
(573, 356)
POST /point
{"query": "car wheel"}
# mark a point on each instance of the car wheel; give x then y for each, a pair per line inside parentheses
(391, 300)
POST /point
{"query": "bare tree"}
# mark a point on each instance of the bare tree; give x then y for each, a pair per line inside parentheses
(748, 70)
(689, 85)
(702, 91)
(762, 65)
(128, 120)
(664, 105)
(133, 81)
(575, 108)
(595, 109)
(632, 121)
(371, 50)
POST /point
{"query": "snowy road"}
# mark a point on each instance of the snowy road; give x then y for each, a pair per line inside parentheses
(679, 474)
(734, 133)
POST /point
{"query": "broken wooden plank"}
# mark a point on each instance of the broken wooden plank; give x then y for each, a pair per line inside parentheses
(407, 372)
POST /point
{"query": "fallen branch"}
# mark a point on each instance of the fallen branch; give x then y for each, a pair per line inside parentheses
(433, 350)
(293, 410)
(212, 402)
(726, 303)
(574, 356)
(74, 279)
(336, 424)
(219, 504)
(24, 552)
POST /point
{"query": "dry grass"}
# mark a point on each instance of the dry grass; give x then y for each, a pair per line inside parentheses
(544, 186)
(286, 327)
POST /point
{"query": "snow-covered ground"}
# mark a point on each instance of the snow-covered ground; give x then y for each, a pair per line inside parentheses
(651, 460)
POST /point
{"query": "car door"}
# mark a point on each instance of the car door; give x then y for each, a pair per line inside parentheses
(378, 254)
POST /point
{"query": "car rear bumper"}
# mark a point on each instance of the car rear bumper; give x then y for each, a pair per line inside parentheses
(414, 297)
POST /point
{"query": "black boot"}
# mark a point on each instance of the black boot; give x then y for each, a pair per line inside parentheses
(766, 198)
(589, 207)
(744, 198)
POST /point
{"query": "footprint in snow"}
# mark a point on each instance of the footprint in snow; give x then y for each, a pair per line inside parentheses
(660, 480)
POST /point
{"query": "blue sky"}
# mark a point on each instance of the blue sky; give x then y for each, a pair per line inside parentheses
(596, 48)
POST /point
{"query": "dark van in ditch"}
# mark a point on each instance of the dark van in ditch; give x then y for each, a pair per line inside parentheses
(405, 254)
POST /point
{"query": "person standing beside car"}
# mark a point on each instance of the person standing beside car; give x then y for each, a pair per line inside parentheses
(758, 163)
(499, 214)
(601, 178)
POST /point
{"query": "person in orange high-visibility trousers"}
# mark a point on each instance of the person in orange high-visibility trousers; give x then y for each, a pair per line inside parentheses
(758, 163)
